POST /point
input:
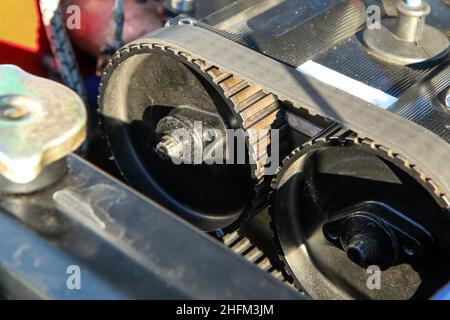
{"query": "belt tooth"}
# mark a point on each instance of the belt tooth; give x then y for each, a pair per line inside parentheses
(265, 264)
(224, 76)
(254, 109)
(214, 72)
(184, 55)
(254, 255)
(258, 111)
(263, 119)
(247, 97)
(261, 136)
(242, 246)
(202, 64)
(277, 274)
(233, 85)
(217, 74)
(206, 67)
(230, 238)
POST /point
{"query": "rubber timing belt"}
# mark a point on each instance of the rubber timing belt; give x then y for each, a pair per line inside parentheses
(416, 147)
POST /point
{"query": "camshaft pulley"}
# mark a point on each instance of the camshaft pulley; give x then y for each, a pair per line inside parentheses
(152, 96)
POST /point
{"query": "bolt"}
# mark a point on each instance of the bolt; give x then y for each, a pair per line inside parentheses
(170, 148)
(362, 250)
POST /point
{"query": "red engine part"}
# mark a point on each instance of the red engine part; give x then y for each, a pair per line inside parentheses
(22, 36)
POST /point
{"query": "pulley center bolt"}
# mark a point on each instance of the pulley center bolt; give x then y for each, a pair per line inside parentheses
(170, 148)
(362, 250)
(366, 241)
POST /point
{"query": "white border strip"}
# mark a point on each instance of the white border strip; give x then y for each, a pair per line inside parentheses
(347, 84)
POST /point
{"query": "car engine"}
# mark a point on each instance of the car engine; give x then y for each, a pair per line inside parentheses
(246, 149)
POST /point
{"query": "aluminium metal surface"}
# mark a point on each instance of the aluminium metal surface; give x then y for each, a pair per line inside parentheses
(125, 245)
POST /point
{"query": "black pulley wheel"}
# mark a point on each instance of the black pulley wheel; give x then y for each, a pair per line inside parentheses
(352, 222)
(142, 91)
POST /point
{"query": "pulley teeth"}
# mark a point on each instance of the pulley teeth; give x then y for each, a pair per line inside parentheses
(248, 97)
(258, 111)
(250, 252)
(331, 136)
(233, 85)
(261, 113)
(258, 114)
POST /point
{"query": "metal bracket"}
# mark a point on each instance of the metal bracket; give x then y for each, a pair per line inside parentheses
(372, 233)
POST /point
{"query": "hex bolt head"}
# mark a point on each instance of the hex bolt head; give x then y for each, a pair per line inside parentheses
(362, 250)
(170, 148)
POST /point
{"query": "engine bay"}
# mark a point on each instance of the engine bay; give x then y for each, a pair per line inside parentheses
(229, 149)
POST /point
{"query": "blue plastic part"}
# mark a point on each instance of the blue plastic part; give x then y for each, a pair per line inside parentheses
(443, 294)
